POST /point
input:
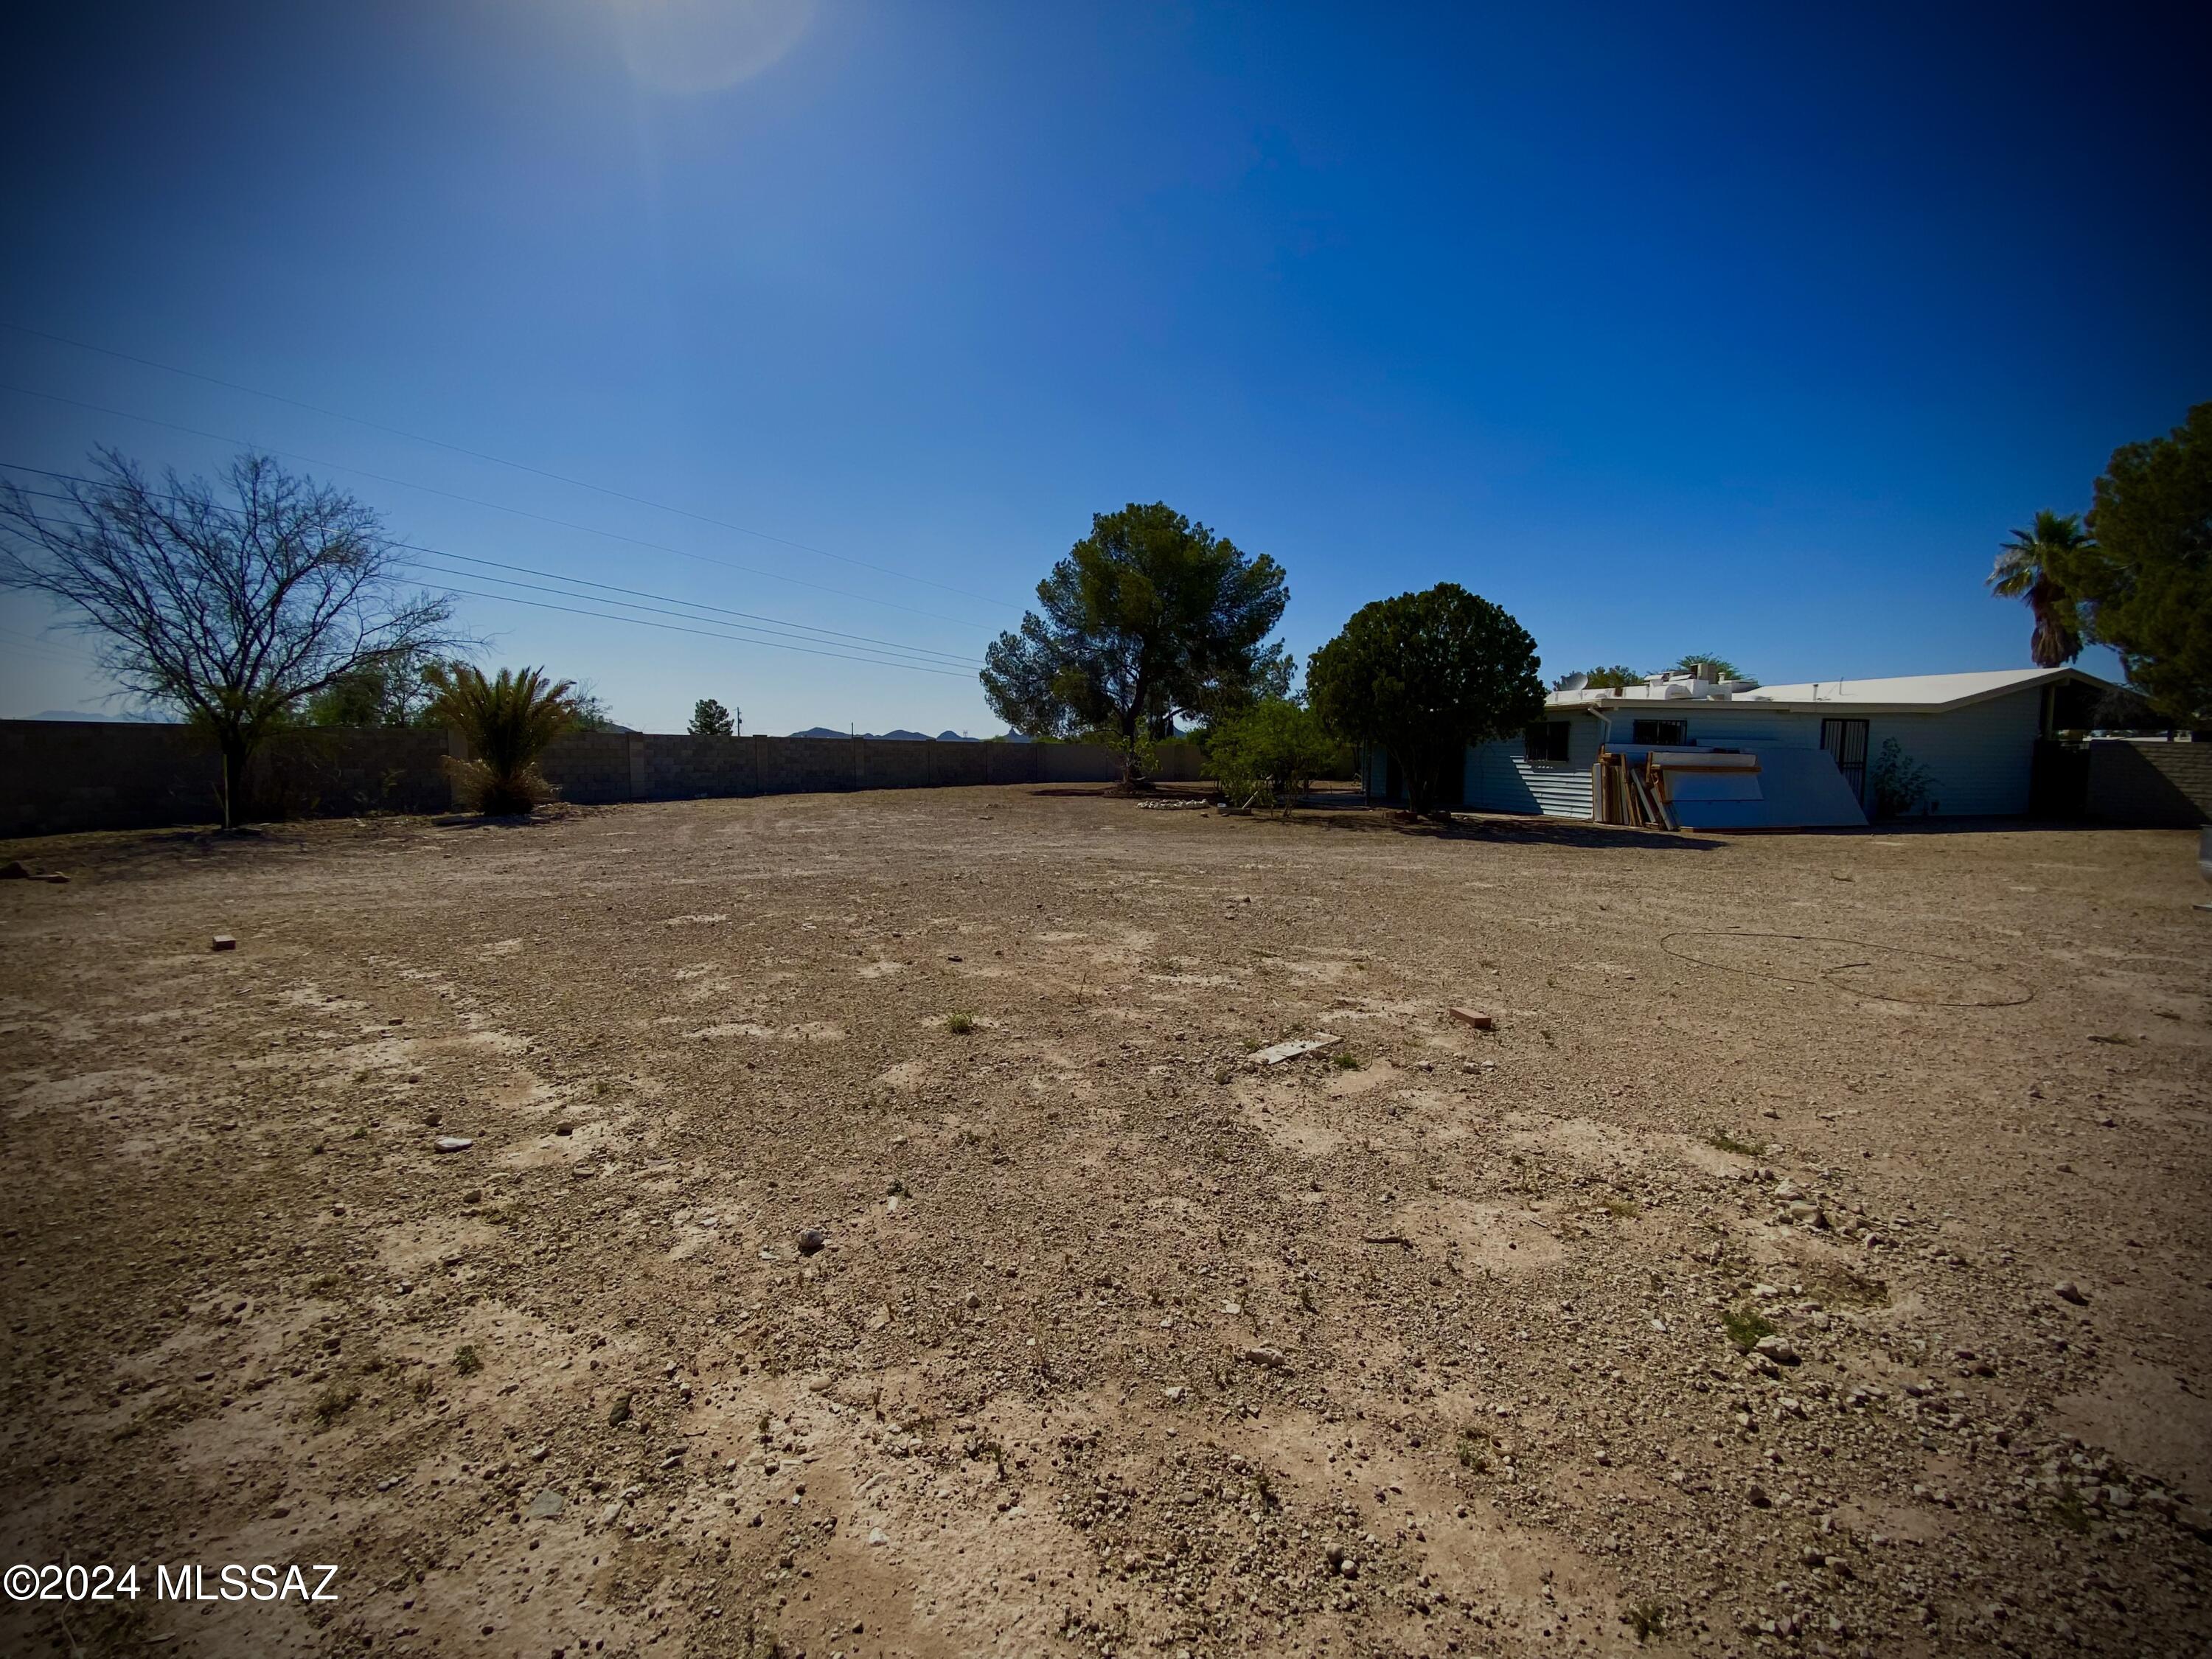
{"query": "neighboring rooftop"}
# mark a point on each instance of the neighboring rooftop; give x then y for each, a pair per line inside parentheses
(1924, 692)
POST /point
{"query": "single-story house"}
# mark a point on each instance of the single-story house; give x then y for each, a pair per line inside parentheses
(1733, 754)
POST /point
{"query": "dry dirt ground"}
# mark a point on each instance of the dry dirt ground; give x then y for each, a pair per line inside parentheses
(1117, 1342)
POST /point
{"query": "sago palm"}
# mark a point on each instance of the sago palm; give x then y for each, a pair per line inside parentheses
(2023, 571)
(508, 720)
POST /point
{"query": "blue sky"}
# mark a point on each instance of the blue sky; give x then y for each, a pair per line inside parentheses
(1669, 328)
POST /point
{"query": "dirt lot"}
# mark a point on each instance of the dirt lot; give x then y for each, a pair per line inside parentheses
(1117, 1341)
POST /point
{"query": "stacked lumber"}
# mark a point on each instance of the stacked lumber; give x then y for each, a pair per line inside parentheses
(1630, 794)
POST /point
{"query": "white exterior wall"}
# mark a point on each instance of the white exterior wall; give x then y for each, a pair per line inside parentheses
(1724, 726)
(1501, 778)
(1979, 757)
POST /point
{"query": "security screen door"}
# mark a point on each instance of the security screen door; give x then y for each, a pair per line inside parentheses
(1847, 741)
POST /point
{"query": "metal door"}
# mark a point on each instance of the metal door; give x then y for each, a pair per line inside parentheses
(1846, 740)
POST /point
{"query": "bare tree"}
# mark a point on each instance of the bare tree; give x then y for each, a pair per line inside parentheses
(233, 610)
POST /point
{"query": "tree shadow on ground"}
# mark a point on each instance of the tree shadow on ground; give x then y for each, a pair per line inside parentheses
(537, 820)
(1511, 832)
(102, 855)
(1965, 826)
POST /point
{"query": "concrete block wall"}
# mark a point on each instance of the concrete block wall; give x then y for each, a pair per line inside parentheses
(340, 774)
(2150, 783)
(61, 775)
(57, 776)
(591, 767)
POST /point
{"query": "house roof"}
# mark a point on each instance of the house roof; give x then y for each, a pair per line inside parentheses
(1915, 693)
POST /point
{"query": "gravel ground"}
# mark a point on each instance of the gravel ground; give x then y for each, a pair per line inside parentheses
(876, 1235)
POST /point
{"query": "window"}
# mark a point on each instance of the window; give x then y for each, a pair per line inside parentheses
(1662, 733)
(1545, 741)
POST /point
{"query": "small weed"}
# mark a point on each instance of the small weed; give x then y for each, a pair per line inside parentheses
(466, 1360)
(898, 1188)
(1722, 1140)
(335, 1402)
(1850, 1288)
(1223, 1073)
(359, 1133)
(1264, 1490)
(1745, 1326)
(980, 1449)
(1306, 1299)
(1646, 1619)
(618, 1414)
(2068, 1511)
(1624, 1208)
(1471, 1455)
(1345, 1060)
(960, 1024)
(422, 1387)
(602, 1087)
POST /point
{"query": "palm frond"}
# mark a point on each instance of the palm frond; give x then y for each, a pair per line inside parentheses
(509, 721)
(2022, 571)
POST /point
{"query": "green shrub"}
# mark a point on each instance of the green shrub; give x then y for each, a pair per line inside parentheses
(1270, 754)
(1899, 784)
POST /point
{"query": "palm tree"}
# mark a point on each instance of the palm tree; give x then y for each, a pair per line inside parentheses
(2023, 572)
(509, 721)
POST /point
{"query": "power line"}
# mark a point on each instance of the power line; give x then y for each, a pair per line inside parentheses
(806, 629)
(673, 627)
(27, 648)
(691, 605)
(722, 633)
(496, 460)
(745, 638)
(477, 501)
(28, 651)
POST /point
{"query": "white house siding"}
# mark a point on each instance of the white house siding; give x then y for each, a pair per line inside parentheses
(1724, 726)
(1501, 778)
(1979, 757)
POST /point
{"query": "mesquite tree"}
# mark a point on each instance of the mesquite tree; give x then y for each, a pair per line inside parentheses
(233, 605)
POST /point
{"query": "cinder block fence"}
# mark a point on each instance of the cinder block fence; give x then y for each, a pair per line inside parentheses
(57, 776)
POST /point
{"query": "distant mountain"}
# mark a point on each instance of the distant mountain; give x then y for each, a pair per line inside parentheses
(899, 734)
